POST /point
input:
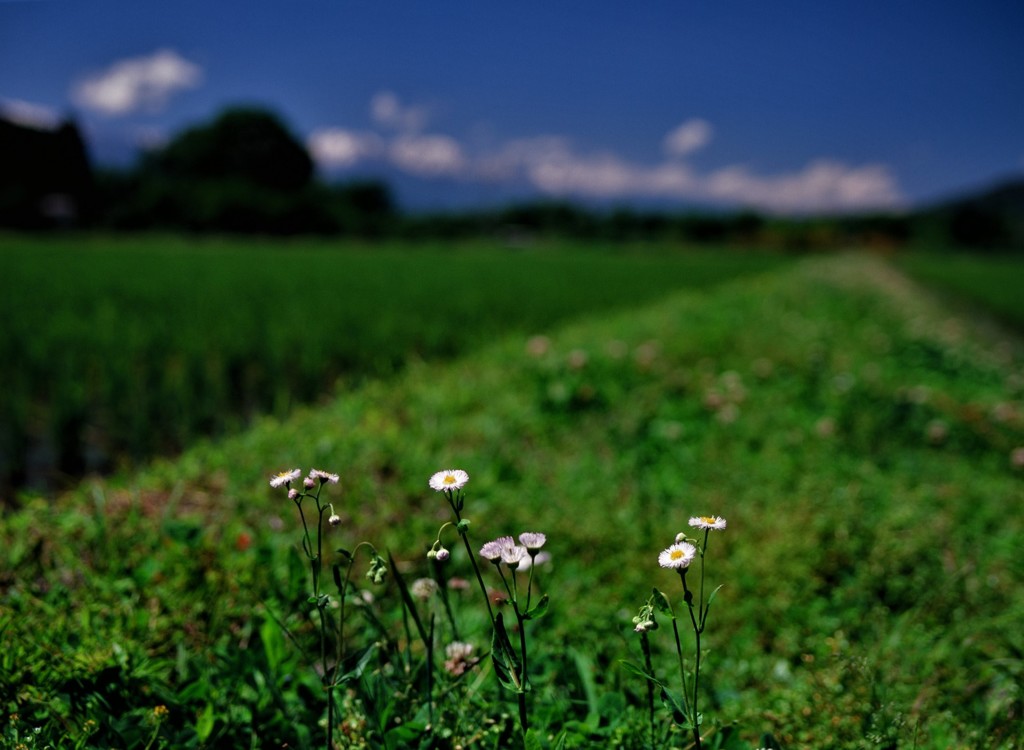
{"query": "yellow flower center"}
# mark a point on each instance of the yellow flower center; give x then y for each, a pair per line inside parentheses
(450, 479)
(709, 519)
(677, 554)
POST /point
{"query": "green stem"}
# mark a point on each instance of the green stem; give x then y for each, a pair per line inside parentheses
(688, 598)
(523, 719)
(702, 611)
(682, 663)
(645, 645)
(472, 556)
(442, 584)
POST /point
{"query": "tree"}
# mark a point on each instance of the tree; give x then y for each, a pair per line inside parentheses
(247, 145)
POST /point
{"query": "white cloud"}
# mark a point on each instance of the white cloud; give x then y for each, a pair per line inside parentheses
(607, 176)
(138, 83)
(551, 165)
(387, 111)
(822, 185)
(29, 114)
(688, 137)
(336, 147)
(516, 156)
(429, 155)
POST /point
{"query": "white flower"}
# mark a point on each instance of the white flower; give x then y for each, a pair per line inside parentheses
(494, 551)
(285, 477)
(334, 519)
(512, 555)
(449, 479)
(423, 588)
(323, 476)
(539, 559)
(707, 522)
(679, 555)
(458, 654)
(458, 650)
(532, 540)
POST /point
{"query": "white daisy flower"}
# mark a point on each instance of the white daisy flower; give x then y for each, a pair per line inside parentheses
(449, 479)
(285, 477)
(532, 540)
(512, 555)
(493, 551)
(324, 476)
(707, 522)
(679, 555)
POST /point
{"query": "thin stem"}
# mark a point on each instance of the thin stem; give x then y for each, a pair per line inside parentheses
(688, 598)
(523, 719)
(430, 672)
(472, 557)
(442, 584)
(305, 529)
(645, 645)
(321, 605)
(702, 611)
(682, 663)
(529, 584)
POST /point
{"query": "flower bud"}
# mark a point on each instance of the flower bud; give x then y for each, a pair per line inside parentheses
(334, 519)
(442, 554)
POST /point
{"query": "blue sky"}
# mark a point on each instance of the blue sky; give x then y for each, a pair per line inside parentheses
(782, 106)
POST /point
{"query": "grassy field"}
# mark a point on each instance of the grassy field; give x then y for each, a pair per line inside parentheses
(992, 283)
(863, 443)
(105, 337)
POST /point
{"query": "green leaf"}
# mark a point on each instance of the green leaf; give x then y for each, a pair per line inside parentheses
(669, 699)
(361, 659)
(585, 669)
(409, 603)
(539, 610)
(711, 598)
(662, 603)
(532, 740)
(273, 643)
(336, 570)
(640, 672)
(506, 662)
(345, 555)
(204, 724)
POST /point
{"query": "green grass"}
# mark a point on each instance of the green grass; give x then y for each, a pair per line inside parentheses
(857, 437)
(992, 282)
(105, 337)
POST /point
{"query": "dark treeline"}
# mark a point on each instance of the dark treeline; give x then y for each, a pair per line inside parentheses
(245, 172)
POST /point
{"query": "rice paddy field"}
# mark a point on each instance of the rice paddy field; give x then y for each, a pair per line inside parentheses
(116, 349)
(861, 432)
